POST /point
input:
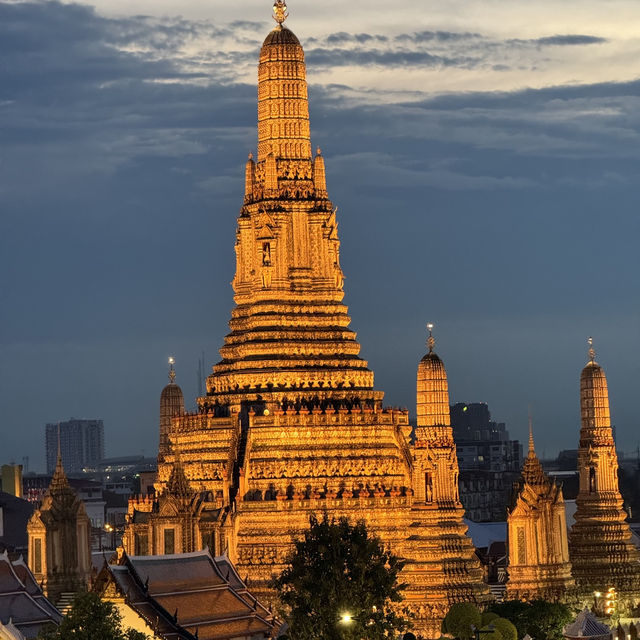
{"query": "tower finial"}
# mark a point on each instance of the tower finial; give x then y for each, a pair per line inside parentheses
(532, 448)
(592, 351)
(280, 13)
(172, 372)
(431, 342)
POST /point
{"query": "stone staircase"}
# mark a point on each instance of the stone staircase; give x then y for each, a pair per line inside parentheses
(65, 601)
(498, 591)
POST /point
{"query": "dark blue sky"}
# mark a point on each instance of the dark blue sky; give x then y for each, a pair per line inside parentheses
(507, 217)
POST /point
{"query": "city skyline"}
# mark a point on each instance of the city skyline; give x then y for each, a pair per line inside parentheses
(505, 214)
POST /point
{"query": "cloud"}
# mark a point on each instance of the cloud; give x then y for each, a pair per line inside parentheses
(122, 147)
(570, 40)
(335, 58)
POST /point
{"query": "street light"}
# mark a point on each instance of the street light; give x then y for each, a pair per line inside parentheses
(109, 529)
(479, 632)
(346, 618)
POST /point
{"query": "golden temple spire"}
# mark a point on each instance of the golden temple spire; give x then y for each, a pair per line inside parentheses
(532, 448)
(59, 479)
(431, 341)
(172, 371)
(594, 394)
(432, 388)
(283, 107)
(532, 471)
(280, 13)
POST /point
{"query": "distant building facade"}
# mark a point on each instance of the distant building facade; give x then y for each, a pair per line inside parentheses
(81, 444)
(14, 515)
(12, 479)
(489, 461)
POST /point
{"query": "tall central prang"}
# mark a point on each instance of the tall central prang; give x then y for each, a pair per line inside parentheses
(290, 340)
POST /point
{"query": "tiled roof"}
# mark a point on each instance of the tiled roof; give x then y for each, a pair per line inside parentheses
(21, 599)
(586, 625)
(187, 594)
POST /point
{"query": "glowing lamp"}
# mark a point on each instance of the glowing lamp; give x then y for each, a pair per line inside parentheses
(346, 618)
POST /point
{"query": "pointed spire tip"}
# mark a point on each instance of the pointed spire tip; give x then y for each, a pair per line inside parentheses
(532, 448)
(280, 13)
(431, 342)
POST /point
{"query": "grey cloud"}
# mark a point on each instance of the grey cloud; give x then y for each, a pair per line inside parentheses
(440, 36)
(248, 25)
(342, 37)
(121, 177)
(562, 40)
(370, 57)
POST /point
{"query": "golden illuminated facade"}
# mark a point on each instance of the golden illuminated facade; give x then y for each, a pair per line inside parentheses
(539, 567)
(602, 553)
(291, 424)
(171, 406)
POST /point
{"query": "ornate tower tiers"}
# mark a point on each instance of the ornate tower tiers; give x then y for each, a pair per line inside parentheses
(291, 424)
(539, 567)
(442, 559)
(290, 336)
(602, 553)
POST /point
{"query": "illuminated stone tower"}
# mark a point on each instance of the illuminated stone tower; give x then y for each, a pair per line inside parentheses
(539, 567)
(602, 553)
(291, 424)
(171, 405)
(442, 557)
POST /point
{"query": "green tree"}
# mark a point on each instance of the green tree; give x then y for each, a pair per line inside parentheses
(538, 618)
(488, 617)
(506, 628)
(461, 619)
(341, 583)
(91, 618)
(490, 633)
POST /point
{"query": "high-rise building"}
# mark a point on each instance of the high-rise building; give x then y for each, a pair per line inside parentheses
(483, 443)
(489, 461)
(81, 444)
(291, 423)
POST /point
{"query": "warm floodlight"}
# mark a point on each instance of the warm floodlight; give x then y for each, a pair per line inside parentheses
(172, 360)
(346, 618)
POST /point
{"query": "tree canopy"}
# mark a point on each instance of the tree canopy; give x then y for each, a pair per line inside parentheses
(538, 618)
(341, 584)
(505, 627)
(90, 618)
(461, 620)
